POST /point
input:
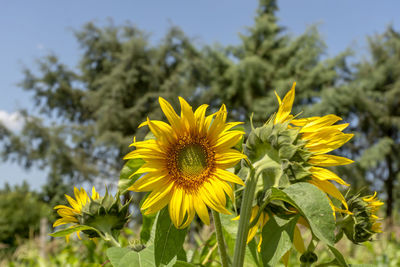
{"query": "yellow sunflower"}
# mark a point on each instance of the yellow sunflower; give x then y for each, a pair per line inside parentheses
(322, 136)
(373, 205)
(70, 214)
(185, 165)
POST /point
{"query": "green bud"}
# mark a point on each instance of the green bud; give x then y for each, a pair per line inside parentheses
(361, 225)
(106, 214)
(308, 257)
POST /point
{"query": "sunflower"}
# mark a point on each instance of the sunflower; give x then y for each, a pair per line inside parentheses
(185, 165)
(373, 204)
(70, 214)
(322, 136)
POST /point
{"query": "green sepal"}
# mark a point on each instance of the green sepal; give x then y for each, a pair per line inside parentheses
(126, 179)
(71, 230)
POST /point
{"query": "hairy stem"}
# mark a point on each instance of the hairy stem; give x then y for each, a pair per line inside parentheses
(245, 212)
(220, 239)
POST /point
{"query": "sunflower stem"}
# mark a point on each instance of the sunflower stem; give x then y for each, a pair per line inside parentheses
(108, 237)
(245, 211)
(220, 239)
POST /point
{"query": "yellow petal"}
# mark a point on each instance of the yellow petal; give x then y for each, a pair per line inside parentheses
(149, 182)
(157, 195)
(211, 201)
(286, 106)
(169, 112)
(73, 203)
(187, 116)
(228, 140)
(304, 121)
(199, 116)
(330, 189)
(228, 176)
(298, 240)
(328, 160)
(176, 207)
(324, 174)
(228, 159)
(327, 120)
(217, 125)
(65, 220)
(201, 209)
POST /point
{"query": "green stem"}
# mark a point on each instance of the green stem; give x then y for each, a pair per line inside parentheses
(108, 237)
(245, 212)
(220, 239)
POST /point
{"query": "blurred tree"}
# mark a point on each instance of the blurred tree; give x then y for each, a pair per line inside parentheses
(370, 101)
(268, 59)
(88, 116)
(20, 213)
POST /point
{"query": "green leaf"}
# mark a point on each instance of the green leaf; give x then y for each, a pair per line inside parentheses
(147, 225)
(277, 236)
(313, 204)
(71, 230)
(168, 240)
(115, 254)
(125, 179)
(339, 257)
(125, 257)
(230, 228)
(179, 263)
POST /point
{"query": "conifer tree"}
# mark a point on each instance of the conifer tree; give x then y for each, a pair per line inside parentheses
(268, 59)
(88, 116)
(370, 101)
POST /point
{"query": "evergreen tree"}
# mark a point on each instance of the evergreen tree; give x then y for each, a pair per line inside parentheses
(94, 110)
(88, 116)
(371, 102)
(268, 59)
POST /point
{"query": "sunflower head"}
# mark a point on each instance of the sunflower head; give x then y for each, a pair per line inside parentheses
(185, 164)
(72, 214)
(102, 214)
(362, 223)
(316, 136)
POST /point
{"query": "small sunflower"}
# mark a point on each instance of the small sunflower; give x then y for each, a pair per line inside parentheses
(362, 224)
(322, 136)
(373, 205)
(185, 165)
(70, 214)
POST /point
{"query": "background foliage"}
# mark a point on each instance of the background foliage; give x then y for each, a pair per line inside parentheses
(86, 117)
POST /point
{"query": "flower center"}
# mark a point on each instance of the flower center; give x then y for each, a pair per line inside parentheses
(192, 160)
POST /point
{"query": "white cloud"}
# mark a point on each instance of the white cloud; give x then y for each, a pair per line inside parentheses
(12, 121)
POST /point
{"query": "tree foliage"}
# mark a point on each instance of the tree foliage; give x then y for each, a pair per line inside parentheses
(21, 211)
(370, 101)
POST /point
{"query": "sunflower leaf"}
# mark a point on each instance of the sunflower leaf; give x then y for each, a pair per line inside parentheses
(122, 257)
(168, 240)
(125, 179)
(313, 204)
(339, 257)
(277, 236)
(71, 230)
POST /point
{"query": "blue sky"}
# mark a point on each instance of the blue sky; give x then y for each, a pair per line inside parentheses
(31, 29)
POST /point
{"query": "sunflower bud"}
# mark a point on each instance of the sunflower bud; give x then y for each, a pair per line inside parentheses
(308, 257)
(278, 148)
(105, 214)
(362, 224)
(95, 216)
